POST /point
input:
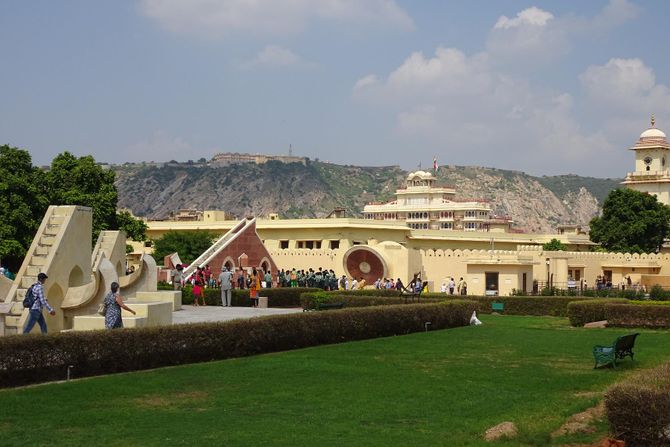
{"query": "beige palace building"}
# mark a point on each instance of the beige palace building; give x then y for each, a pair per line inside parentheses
(390, 243)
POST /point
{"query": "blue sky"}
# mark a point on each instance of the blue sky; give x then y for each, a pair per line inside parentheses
(542, 87)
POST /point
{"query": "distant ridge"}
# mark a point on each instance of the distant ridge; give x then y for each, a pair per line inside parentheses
(314, 189)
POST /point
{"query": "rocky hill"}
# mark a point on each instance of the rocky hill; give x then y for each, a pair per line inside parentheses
(294, 190)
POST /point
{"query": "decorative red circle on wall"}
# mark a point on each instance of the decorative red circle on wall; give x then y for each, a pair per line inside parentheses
(363, 261)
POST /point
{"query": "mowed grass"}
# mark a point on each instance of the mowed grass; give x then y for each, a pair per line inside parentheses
(437, 388)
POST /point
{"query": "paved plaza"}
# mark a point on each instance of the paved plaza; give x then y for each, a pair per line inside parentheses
(202, 314)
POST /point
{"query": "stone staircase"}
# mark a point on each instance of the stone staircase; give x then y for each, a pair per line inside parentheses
(37, 260)
(219, 245)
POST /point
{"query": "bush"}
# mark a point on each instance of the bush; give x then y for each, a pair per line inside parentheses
(632, 315)
(277, 297)
(162, 285)
(638, 410)
(367, 292)
(309, 301)
(26, 359)
(658, 293)
(586, 311)
(514, 305)
(556, 306)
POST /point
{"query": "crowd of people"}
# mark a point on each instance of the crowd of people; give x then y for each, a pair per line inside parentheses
(257, 278)
(254, 279)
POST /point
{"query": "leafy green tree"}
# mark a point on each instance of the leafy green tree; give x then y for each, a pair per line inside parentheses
(189, 244)
(632, 221)
(135, 228)
(554, 245)
(81, 181)
(22, 204)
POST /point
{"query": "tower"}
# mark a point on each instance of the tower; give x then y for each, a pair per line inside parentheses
(652, 154)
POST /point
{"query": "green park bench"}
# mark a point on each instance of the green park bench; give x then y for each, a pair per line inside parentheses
(622, 347)
(497, 307)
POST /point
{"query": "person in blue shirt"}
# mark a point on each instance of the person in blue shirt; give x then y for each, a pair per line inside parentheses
(36, 309)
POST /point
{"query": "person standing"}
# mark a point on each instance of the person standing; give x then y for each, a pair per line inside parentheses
(241, 281)
(198, 291)
(113, 305)
(226, 280)
(254, 284)
(462, 287)
(452, 286)
(268, 279)
(176, 275)
(39, 301)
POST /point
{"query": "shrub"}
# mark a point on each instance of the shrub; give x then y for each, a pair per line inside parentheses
(586, 311)
(638, 410)
(367, 292)
(556, 306)
(632, 315)
(658, 293)
(309, 301)
(162, 285)
(26, 359)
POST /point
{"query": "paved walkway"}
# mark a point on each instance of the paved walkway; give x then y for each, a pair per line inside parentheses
(201, 314)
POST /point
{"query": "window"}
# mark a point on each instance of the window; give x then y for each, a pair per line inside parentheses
(148, 243)
(283, 245)
(356, 243)
(334, 244)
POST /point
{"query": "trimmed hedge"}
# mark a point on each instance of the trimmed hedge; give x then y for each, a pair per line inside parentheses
(514, 305)
(586, 311)
(309, 301)
(556, 306)
(26, 359)
(638, 409)
(631, 315)
(277, 297)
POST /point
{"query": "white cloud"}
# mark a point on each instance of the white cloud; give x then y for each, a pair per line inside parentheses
(366, 81)
(532, 16)
(418, 78)
(274, 56)
(217, 18)
(625, 81)
(624, 92)
(616, 13)
(536, 37)
(480, 114)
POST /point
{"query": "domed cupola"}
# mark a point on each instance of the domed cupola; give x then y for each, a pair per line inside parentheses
(652, 163)
(652, 138)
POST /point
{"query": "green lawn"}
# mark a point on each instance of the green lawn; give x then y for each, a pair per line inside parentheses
(438, 388)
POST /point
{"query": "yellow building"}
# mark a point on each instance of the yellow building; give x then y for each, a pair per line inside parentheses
(407, 236)
(425, 206)
(652, 154)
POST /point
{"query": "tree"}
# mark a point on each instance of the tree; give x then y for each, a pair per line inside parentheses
(632, 221)
(22, 204)
(554, 245)
(81, 181)
(135, 228)
(188, 244)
